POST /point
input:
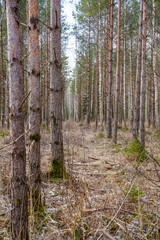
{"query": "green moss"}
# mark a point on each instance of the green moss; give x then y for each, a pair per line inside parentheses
(134, 151)
(57, 169)
(100, 135)
(4, 133)
(18, 201)
(78, 233)
(35, 137)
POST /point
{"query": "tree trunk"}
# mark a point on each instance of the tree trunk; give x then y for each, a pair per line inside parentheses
(2, 80)
(56, 91)
(19, 218)
(47, 79)
(34, 104)
(143, 76)
(138, 76)
(157, 120)
(109, 97)
(89, 78)
(117, 74)
(97, 80)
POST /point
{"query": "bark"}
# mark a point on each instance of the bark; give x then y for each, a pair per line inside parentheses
(157, 119)
(89, 78)
(138, 77)
(97, 80)
(34, 104)
(47, 79)
(100, 75)
(143, 77)
(56, 91)
(124, 73)
(117, 74)
(109, 97)
(19, 218)
(79, 100)
(2, 80)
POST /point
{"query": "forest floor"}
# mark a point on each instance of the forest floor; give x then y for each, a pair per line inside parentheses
(109, 194)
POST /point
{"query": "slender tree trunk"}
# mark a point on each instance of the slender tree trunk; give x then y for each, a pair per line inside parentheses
(131, 81)
(89, 78)
(138, 76)
(117, 74)
(97, 80)
(109, 97)
(47, 79)
(56, 91)
(2, 80)
(34, 104)
(79, 103)
(143, 77)
(157, 119)
(19, 218)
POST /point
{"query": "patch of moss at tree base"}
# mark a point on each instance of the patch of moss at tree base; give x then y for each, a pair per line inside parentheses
(57, 169)
(35, 137)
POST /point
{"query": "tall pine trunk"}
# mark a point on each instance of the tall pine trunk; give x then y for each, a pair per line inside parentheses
(56, 91)
(89, 78)
(47, 77)
(19, 222)
(34, 103)
(109, 96)
(138, 76)
(143, 76)
(117, 75)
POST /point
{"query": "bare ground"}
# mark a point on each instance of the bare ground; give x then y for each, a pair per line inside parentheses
(106, 195)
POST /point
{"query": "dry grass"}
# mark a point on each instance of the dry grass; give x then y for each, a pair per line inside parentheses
(94, 195)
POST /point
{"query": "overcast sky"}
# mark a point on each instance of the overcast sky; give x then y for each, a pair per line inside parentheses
(69, 8)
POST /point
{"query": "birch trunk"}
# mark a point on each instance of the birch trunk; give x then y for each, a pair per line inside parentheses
(56, 91)
(19, 218)
(34, 103)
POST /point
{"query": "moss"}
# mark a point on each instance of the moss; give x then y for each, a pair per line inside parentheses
(18, 201)
(57, 169)
(78, 233)
(4, 133)
(35, 137)
(100, 135)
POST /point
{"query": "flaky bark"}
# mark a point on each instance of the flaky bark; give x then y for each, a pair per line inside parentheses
(117, 74)
(34, 102)
(109, 97)
(138, 76)
(19, 223)
(143, 77)
(56, 89)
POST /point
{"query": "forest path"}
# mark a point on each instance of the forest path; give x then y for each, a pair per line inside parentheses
(100, 176)
(80, 206)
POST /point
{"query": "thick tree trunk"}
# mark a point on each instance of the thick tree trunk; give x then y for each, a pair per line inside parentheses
(138, 76)
(143, 77)
(34, 103)
(117, 74)
(56, 91)
(109, 97)
(19, 221)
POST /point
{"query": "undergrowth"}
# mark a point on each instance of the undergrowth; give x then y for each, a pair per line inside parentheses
(134, 151)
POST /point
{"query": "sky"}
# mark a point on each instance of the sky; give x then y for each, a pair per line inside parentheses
(69, 8)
